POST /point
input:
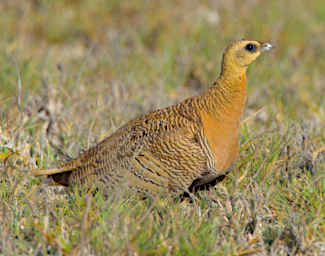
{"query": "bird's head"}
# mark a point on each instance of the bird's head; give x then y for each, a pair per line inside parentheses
(239, 54)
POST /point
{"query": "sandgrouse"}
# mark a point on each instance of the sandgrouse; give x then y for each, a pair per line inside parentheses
(176, 149)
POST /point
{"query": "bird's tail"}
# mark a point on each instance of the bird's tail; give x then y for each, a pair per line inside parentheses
(59, 175)
(50, 171)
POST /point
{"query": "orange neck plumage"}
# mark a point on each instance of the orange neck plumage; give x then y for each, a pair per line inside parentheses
(226, 99)
(225, 103)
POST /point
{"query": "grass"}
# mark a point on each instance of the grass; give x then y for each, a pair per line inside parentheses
(86, 67)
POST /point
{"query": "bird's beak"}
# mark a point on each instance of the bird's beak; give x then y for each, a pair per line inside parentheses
(267, 46)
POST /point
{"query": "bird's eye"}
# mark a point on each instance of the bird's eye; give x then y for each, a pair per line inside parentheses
(251, 47)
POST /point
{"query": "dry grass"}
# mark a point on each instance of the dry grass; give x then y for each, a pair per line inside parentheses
(73, 71)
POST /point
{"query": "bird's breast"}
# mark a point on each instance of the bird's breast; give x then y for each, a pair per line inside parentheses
(222, 135)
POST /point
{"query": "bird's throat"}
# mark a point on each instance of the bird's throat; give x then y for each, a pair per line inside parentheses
(227, 98)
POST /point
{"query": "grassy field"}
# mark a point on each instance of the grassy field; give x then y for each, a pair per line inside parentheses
(71, 72)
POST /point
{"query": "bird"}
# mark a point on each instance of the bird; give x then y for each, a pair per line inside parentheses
(177, 149)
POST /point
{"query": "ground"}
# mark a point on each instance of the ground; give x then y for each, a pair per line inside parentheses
(72, 72)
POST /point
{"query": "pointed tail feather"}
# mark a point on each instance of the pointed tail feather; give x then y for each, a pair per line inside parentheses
(59, 175)
(50, 171)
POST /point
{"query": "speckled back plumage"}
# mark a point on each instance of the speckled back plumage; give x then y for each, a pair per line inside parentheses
(173, 149)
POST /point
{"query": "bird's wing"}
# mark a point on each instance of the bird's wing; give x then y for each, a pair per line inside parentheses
(171, 159)
(166, 160)
(148, 151)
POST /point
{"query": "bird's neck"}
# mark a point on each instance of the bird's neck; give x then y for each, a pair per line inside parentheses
(227, 97)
